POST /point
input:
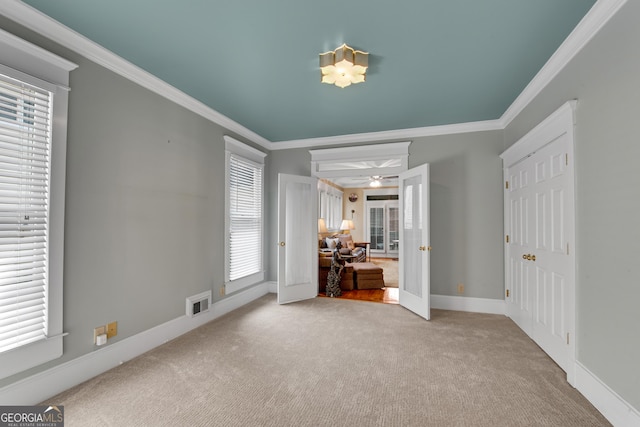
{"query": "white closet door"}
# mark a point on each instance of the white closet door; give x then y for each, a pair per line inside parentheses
(519, 303)
(540, 229)
(550, 262)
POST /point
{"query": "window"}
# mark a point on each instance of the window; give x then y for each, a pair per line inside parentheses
(330, 205)
(33, 117)
(244, 222)
(25, 153)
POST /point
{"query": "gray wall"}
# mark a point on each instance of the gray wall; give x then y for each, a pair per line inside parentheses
(604, 77)
(144, 206)
(145, 213)
(466, 208)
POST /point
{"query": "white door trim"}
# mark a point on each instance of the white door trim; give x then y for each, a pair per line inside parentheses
(558, 124)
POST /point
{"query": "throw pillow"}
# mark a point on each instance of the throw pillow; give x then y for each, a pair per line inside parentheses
(331, 243)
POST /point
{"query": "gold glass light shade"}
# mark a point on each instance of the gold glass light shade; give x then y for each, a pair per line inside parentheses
(343, 66)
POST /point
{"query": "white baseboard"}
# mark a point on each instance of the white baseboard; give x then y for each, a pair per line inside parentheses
(446, 302)
(608, 402)
(474, 305)
(41, 386)
(273, 287)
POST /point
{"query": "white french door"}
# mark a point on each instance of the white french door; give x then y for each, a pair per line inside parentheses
(382, 228)
(539, 223)
(297, 238)
(413, 262)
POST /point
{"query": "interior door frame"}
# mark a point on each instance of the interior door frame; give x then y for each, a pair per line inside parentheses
(559, 123)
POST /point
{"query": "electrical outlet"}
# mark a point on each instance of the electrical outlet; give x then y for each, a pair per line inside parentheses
(460, 288)
(100, 330)
(112, 329)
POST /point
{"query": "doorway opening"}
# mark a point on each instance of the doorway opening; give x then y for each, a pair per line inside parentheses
(373, 218)
(375, 163)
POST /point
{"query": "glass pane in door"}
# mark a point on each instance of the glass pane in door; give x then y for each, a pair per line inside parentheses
(392, 228)
(412, 236)
(376, 228)
(298, 239)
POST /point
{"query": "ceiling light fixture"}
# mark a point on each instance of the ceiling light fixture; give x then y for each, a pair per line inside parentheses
(375, 181)
(343, 66)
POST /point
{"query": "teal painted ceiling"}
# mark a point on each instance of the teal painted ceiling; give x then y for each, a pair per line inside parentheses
(432, 62)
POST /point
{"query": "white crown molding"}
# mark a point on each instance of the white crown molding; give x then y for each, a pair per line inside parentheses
(52, 29)
(33, 19)
(586, 29)
(389, 135)
(593, 21)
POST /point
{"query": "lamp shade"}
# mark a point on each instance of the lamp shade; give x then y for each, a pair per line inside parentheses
(347, 224)
(322, 226)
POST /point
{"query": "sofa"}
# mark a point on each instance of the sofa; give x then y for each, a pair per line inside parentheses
(353, 252)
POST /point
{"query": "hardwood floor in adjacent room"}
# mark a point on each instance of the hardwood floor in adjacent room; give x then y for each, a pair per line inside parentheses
(385, 295)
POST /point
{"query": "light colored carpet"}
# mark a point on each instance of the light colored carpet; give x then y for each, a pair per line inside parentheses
(390, 270)
(328, 362)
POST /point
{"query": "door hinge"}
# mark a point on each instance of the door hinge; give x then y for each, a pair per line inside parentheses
(507, 293)
(507, 238)
(506, 185)
(567, 338)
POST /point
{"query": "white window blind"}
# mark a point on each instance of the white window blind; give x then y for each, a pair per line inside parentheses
(25, 143)
(245, 225)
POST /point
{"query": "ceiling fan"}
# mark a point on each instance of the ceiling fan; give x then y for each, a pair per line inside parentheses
(376, 180)
(373, 181)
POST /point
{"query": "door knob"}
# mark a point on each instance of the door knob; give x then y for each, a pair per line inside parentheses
(281, 243)
(533, 257)
(524, 256)
(528, 257)
(429, 248)
(422, 248)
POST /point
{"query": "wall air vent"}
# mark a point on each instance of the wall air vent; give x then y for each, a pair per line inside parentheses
(198, 304)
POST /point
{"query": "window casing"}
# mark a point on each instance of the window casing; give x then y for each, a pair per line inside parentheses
(33, 132)
(244, 219)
